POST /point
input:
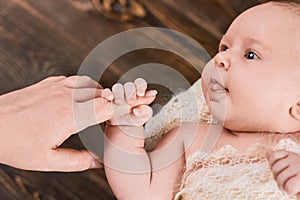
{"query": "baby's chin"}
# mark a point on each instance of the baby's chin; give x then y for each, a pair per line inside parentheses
(252, 127)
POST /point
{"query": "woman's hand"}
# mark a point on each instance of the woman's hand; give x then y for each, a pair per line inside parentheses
(36, 120)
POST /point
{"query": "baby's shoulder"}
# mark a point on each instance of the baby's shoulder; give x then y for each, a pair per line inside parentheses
(190, 130)
(199, 136)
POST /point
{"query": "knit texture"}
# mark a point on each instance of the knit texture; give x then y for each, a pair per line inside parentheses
(228, 174)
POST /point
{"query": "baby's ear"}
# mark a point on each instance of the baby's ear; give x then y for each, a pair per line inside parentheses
(295, 111)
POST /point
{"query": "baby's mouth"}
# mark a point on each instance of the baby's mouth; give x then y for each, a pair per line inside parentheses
(216, 86)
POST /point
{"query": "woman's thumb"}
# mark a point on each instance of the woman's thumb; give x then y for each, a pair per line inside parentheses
(68, 160)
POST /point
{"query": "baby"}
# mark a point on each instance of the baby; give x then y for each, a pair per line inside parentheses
(250, 87)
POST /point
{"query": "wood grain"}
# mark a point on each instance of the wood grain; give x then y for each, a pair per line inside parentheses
(41, 38)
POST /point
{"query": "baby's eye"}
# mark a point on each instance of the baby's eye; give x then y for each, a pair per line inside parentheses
(223, 48)
(251, 55)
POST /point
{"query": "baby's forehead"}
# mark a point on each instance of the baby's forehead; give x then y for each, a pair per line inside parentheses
(277, 10)
(269, 19)
(275, 27)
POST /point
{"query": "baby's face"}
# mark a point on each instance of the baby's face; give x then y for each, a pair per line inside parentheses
(253, 81)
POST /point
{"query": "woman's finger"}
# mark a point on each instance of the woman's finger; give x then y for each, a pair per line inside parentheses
(107, 94)
(81, 82)
(68, 160)
(53, 79)
(85, 94)
(90, 113)
(145, 100)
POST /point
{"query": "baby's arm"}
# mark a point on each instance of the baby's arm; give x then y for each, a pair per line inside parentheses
(131, 172)
(285, 166)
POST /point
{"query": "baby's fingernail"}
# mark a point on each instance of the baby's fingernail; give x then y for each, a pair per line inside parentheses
(131, 101)
(140, 94)
(151, 93)
(136, 111)
(110, 97)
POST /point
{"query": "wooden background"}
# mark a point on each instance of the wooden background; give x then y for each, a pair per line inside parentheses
(41, 38)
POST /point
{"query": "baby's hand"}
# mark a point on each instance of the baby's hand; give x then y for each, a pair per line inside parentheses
(130, 105)
(285, 166)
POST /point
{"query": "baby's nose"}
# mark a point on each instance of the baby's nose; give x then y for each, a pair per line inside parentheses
(222, 60)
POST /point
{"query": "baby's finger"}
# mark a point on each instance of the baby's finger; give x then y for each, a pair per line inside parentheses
(274, 156)
(118, 92)
(280, 166)
(85, 94)
(141, 86)
(142, 114)
(283, 177)
(292, 186)
(130, 92)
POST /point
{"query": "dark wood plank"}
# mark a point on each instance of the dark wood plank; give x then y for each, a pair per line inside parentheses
(41, 38)
(205, 21)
